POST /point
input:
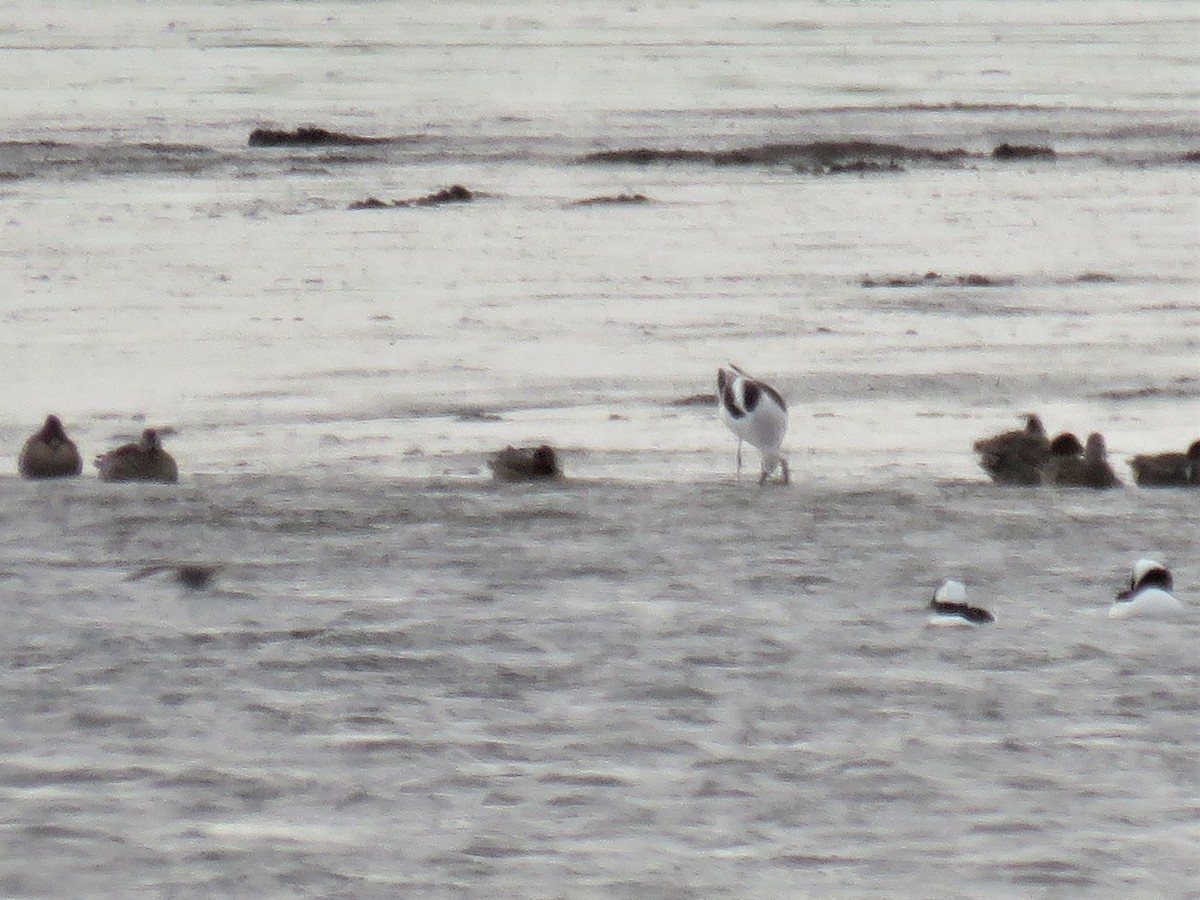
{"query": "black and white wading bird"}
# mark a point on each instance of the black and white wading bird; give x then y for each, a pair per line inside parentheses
(757, 414)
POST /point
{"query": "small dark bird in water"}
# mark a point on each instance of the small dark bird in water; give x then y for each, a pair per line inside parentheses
(1013, 457)
(525, 464)
(144, 461)
(1168, 469)
(196, 576)
(49, 453)
(1091, 470)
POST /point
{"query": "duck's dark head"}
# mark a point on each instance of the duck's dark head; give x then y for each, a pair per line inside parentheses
(1034, 426)
(545, 460)
(52, 429)
(1095, 450)
(1147, 573)
(1193, 463)
(150, 440)
(1066, 444)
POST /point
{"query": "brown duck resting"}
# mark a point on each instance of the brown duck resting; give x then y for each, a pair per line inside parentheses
(144, 461)
(525, 464)
(1168, 469)
(1013, 457)
(50, 453)
(1091, 470)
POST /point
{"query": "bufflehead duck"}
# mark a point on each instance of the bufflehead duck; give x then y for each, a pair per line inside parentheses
(1149, 594)
(950, 607)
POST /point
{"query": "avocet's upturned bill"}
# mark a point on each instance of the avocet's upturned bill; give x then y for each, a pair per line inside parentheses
(757, 414)
(949, 607)
(1149, 594)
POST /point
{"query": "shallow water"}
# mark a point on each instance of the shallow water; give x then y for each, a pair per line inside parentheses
(652, 680)
(608, 688)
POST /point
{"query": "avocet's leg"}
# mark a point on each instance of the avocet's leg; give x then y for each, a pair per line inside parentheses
(787, 476)
(739, 460)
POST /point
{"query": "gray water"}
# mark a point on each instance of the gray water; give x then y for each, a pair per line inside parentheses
(652, 680)
(600, 689)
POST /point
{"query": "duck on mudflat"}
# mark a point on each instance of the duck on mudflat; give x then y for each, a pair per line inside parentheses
(1168, 469)
(1092, 470)
(145, 460)
(525, 464)
(1013, 457)
(49, 453)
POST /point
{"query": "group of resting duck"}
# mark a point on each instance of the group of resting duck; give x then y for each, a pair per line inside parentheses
(49, 453)
(753, 410)
(1028, 457)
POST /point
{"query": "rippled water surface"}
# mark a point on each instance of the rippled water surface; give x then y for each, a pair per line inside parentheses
(652, 679)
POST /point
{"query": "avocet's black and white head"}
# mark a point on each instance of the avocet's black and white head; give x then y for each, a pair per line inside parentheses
(1149, 594)
(756, 413)
(949, 606)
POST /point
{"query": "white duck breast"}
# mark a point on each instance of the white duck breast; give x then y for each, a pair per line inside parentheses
(756, 413)
(1149, 595)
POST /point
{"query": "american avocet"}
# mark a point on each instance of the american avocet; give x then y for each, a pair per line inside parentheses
(756, 413)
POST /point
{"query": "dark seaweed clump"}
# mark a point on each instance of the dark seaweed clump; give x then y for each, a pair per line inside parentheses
(702, 399)
(853, 167)
(1008, 151)
(805, 156)
(456, 193)
(934, 279)
(613, 199)
(310, 136)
